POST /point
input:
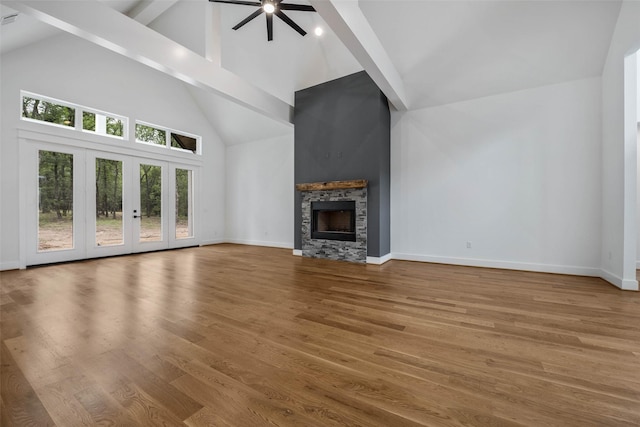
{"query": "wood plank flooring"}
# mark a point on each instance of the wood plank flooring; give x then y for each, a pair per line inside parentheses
(232, 335)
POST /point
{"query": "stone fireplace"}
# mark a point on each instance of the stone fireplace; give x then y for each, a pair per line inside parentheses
(342, 153)
(334, 220)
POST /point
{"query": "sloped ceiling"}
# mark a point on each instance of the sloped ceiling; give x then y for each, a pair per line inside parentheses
(24, 31)
(448, 51)
(442, 51)
(27, 29)
(288, 63)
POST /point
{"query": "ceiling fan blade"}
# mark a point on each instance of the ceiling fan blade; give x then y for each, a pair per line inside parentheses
(299, 7)
(269, 26)
(248, 18)
(288, 20)
(243, 3)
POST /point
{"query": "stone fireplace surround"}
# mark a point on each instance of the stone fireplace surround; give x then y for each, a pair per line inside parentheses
(343, 132)
(335, 191)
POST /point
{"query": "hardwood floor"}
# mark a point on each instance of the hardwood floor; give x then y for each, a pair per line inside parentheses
(246, 336)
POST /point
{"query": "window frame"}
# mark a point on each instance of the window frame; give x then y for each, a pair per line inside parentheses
(128, 130)
(167, 132)
(78, 116)
(25, 94)
(123, 119)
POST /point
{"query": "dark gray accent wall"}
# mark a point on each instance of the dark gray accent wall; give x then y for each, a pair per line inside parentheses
(342, 132)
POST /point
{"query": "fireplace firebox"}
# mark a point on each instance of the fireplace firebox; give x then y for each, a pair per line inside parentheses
(334, 220)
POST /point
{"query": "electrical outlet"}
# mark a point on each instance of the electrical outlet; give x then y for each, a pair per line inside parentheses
(468, 245)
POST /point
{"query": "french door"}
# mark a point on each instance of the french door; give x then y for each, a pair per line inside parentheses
(83, 203)
(55, 229)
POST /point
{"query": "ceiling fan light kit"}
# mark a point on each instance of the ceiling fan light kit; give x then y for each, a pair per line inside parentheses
(270, 8)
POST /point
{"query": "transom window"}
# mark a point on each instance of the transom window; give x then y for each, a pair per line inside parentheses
(54, 112)
(48, 111)
(102, 124)
(157, 135)
(60, 113)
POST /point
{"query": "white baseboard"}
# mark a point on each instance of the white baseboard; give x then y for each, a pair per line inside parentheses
(212, 242)
(379, 260)
(284, 245)
(625, 284)
(508, 265)
(11, 265)
(297, 252)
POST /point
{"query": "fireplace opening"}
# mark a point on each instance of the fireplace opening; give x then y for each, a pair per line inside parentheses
(334, 220)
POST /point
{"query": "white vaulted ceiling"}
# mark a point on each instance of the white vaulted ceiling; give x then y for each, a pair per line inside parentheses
(420, 52)
(448, 51)
(28, 29)
(288, 63)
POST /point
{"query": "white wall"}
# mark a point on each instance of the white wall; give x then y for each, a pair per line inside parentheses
(74, 70)
(619, 158)
(638, 86)
(638, 198)
(260, 192)
(518, 175)
(638, 162)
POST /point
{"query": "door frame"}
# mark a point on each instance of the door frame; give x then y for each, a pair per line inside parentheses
(195, 205)
(92, 250)
(139, 246)
(30, 166)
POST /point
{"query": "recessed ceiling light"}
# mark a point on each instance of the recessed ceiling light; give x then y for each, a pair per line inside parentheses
(8, 19)
(319, 31)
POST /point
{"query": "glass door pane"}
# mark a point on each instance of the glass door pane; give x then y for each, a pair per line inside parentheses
(108, 208)
(150, 203)
(55, 201)
(184, 203)
(52, 202)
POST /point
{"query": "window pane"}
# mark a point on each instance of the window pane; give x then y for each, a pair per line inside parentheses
(184, 203)
(88, 121)
(55, 201)
(149, 134)
(45, 111)
(114, 126)
(184, 142)
(109, 202)
(150, 203)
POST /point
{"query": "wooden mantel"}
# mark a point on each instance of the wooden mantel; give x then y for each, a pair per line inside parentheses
(332, 185)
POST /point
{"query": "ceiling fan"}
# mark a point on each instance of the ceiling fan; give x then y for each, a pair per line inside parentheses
(270, 8)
